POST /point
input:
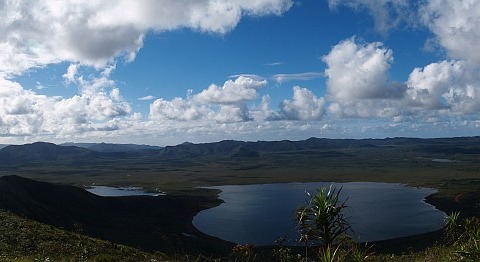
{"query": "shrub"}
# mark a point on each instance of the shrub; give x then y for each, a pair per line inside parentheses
(322, 222)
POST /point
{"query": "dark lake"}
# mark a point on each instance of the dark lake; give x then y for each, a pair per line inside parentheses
(120, 191)
(259, 214)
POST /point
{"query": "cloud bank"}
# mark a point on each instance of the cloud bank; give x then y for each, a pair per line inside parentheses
(93, 36)
(98, 34)
(38, 33)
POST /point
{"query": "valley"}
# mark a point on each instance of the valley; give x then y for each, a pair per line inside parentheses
(181, 171)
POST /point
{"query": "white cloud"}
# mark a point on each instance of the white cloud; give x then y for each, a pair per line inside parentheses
(303, 106)
(252, 76)
(274, 64)
(38, 33)
(20, 110)
(215, 107)
(232, 92)
(456, 25)
(146, 98)
(358, 86)
(232, 113)
(224, 104)
(282, 78)
(71, 73)
(357, 74)
(177, 109)
(34, 34)
(449, 86)
(24, 112)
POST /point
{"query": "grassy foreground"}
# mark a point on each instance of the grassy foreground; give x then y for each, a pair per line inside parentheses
(26, 240)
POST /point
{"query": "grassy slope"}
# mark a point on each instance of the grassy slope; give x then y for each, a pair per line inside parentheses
(151, 223)
(26, 240)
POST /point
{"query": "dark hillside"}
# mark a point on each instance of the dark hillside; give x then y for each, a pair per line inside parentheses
(107, 147)
(41, 151)
(27, 240)
(225, 147)
(151, 223)
(455, 145)
(50, 152)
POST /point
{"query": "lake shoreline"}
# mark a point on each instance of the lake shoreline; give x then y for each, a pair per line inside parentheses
(264, 212)
(423, 241)
(412, 243)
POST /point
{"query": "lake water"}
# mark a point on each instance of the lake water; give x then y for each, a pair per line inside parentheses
(120, 191)
(259, 214)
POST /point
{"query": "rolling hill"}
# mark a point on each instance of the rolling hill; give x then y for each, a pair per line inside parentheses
(150, 223)
(41, 151)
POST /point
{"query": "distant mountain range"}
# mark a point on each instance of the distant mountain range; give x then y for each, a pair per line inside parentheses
(465, 145)
(41, 151)
(109, 147)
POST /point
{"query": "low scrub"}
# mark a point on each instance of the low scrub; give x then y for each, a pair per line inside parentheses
(26, 240)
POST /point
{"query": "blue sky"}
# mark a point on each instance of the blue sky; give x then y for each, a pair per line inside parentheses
(162, 72)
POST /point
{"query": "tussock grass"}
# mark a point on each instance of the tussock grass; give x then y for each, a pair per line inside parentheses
(22, 239)
(26, 240)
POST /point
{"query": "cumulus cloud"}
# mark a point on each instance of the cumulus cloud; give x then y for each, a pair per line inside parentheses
(97, 34)
(229, 113)
(232, 92)
(455, 24)
(38, 33)
(447, 86)
(24, 112)
(223, 104)
(357, 73)
(303, 106)
(71, 73)
(176, 109)
(20, 110)
(179, 109)
(358, 86)
(227, 105)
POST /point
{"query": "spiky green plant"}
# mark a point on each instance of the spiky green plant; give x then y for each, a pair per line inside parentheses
(329, 254)
(468, 243)
(322, 221)
(452, 226)
(359, 254)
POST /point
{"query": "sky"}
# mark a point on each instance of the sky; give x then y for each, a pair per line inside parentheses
(164, 72)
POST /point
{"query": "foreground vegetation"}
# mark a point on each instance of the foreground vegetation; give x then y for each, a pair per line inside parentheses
(26, 240)
(449, 165)
(322, 229)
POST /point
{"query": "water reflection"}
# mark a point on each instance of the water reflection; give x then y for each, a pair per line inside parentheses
(259, 214)
(120, 191)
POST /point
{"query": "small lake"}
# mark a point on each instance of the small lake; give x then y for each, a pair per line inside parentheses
(260, 214)
(120, 191)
